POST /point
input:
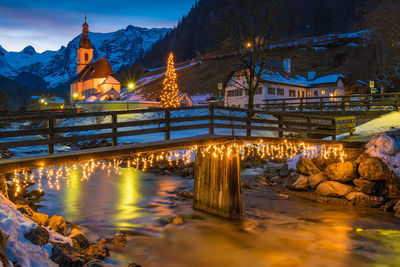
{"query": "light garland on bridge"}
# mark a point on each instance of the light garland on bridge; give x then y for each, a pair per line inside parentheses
(145, 161)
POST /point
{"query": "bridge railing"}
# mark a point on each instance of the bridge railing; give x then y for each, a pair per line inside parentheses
(155, 124)
(335, 103)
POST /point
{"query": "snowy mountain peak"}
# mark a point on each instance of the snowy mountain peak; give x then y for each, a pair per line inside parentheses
(121, 48)
(29, 50)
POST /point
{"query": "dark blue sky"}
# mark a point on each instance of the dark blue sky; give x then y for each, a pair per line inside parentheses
(48, 24)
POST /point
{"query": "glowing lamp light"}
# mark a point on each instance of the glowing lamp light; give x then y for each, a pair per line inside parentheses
(131, 86)
(45, 103)
(248, 45)
(42, 100)
(75, 95)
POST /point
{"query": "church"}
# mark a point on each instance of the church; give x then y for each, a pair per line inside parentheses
(95, 80)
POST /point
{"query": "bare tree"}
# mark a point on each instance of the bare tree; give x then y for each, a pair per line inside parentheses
(251, 24)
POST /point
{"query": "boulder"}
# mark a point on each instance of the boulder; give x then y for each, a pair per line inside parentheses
(383, 143)
(342, 172)
(94, 263)
(300, 184)
(65, 255)
(315, 179)
(372, 169)
(133, 264)
(306, 167)
(364, 186)
(98, 251)
(58, 224)
(79, 239)
(3, 186)
(3, 256)
(40, 218)
(333, 189)
(365, 200)
(320, 162)
(38, 236)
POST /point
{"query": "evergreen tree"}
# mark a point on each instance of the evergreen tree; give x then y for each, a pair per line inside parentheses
(169, 93)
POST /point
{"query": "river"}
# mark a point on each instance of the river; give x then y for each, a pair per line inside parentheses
(273, 232)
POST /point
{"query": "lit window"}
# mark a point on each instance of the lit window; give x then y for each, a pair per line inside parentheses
(292, 93)
(308, 93)
(280, 91)
(340, 92)
(323, 92)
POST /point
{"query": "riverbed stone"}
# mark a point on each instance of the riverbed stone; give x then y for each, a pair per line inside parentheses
(385, 143)
(396, 209)
(177, 220)
(364, 200)
(38, 236)
(65, 255)
(300, 184)
(40, 218)
(58, 224)
(333, 189)
(372, 169)
(306, 167)
(3, 186)
(364, 186)
(343, 172)
(25, 210)
(94, 263)
(119, 240)
(133, 264)
(185, 195)
(79, 239)
(98, 251)
(3, 255)
(315, 179)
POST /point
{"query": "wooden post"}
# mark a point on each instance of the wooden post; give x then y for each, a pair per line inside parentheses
(321, 104)
(308, 126)
(50, 136)
(248, 122)
(343, 104)
(114, 129)
(301, 104)
(334, 129)
(267, 105)
(283, 105)
(217, 188)
(211, 120)
(396, 102)
(280, 125)
(167, 124)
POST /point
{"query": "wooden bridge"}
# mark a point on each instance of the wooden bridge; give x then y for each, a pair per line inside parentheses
(359, 102)
(217, 187)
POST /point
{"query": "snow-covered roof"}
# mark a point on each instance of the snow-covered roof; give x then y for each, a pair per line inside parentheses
(299, 80)
(52, 99)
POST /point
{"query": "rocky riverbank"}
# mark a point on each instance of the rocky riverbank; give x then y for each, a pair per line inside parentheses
(371, 180)
(30, 238)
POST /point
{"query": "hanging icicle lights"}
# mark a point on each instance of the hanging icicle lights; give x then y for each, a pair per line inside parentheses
(145, 161)
(169, 92)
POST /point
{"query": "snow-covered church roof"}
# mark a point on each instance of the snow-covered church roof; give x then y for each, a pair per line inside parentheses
(299, 80)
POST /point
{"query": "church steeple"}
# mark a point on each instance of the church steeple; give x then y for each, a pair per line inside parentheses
(85, 51)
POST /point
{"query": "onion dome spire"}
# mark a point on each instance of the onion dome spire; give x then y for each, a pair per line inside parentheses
(85, 42)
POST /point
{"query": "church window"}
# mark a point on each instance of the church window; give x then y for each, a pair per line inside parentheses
(86, 56)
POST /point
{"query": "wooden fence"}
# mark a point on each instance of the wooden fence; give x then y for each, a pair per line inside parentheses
(335, 103)
(50, 129)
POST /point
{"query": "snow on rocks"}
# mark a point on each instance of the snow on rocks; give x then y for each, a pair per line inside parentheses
(18, 248)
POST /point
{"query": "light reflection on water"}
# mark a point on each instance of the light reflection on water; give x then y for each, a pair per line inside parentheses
(274, 232)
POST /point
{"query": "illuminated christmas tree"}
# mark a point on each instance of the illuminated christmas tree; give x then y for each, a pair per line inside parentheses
(169, 93)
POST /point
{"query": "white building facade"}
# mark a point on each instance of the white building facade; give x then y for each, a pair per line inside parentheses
(277, 86)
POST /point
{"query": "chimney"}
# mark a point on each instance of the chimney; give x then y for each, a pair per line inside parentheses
(287, 65)
(311, 75)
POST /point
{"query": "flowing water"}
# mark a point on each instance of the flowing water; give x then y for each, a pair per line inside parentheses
(273, 232)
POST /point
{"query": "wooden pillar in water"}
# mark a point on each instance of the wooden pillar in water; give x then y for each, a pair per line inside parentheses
(217, 184)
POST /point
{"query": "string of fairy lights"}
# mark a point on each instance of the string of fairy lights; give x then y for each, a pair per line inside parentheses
(170, 91)
(144, 161)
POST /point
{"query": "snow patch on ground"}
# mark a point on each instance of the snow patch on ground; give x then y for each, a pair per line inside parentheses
(18, 248)
(386, 146)
(382, 124)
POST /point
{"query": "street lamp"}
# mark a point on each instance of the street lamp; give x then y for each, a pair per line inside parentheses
(130, 87)
(248, 45)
